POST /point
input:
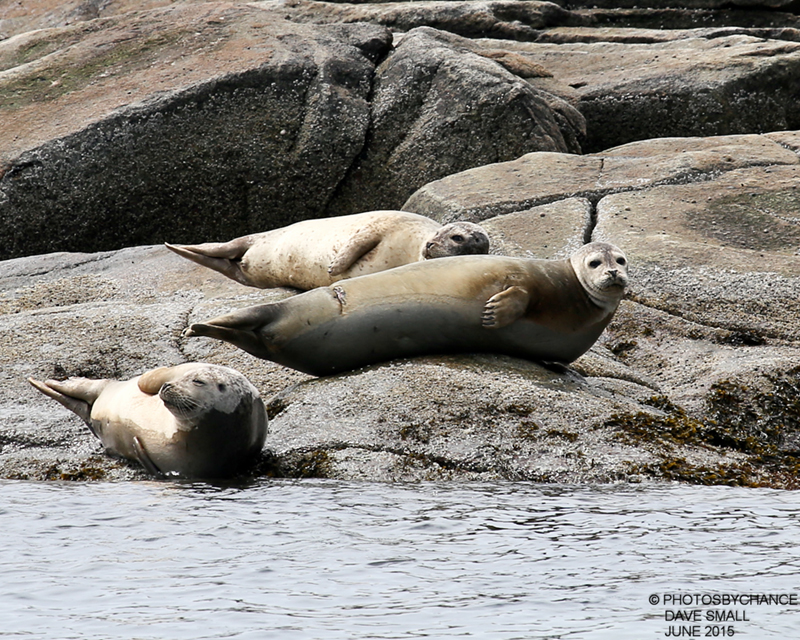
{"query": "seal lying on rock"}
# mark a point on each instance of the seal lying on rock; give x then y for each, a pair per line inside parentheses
(193, 420)
(543, 310)
(316, 253)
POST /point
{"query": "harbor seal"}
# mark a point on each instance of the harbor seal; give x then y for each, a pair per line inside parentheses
(316, 253)
(543, 310)
(193, 420)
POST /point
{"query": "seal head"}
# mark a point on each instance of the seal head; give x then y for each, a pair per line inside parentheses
(457, 239)
(602, 270)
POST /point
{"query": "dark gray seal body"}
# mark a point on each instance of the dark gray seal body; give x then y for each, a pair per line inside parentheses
(316, 253)
(539, 310)
(192, 420)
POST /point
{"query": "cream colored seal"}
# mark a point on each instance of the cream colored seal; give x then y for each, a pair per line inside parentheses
(543, 310)
(316, 253)
(192, 420)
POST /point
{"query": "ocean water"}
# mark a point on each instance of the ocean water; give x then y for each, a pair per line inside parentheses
(326, 559)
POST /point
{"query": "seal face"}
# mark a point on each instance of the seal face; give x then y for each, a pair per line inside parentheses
(192, 420)
(544, 310)
(317, 253)
(602, 270)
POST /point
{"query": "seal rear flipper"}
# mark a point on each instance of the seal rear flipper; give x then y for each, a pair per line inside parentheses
(144, 459)
(78, 406)
(359, 245)
(505, 307)
(243, 328)
(223, 257)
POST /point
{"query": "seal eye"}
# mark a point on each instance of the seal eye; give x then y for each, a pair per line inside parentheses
(621, 261)
(457, 238)
(221, 387)
(595, 263)
(199, 383)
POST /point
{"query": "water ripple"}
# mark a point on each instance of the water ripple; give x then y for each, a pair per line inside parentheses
(316, 559)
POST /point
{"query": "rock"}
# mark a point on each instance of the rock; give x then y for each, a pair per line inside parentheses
(19, 17)
(683, 18)
(210, 121)
(637, 70)
(568, 35)
(710, 229)
(492, 418)
(693, 86)
(727, 255)
(493, 18)
(695, 380)
(540, 178)
(190, 122)
(438, 107)
(106, 315)
(549, 231)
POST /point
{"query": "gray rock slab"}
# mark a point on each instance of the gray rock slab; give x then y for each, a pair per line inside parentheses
(550, 231)
(694, 86)
(542, 178)
(631, 35)
(496, 18)
(710, 227)
(723, 252)
(438, 107)
(192, 122)
(491, 418)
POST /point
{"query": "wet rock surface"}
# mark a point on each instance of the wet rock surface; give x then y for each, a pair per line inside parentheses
(670, 131)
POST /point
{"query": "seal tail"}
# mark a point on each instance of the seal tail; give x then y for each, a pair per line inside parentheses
(223, 257)
(76, 394)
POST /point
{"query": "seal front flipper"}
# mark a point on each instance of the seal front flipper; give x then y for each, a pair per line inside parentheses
(144, 459)
(150, 382)
(224, 257)
(359, 245)
(505, 307)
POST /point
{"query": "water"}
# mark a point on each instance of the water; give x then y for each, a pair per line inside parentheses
(324, 559)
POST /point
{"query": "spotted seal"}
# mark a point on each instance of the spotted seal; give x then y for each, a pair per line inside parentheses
(543, 310)
(192, 420)
(316, 253)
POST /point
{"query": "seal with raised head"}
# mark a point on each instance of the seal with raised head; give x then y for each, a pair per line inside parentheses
(316, 253)
(193, 420)
(543, 310)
